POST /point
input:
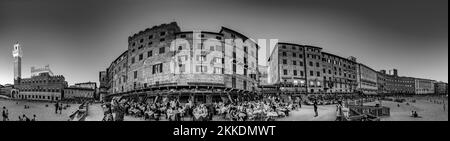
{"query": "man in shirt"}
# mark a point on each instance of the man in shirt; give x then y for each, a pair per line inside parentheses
(315, 109)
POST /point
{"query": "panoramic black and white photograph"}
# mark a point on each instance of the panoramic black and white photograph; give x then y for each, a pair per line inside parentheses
(223, 60)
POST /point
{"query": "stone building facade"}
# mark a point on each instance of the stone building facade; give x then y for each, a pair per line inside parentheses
(103, 85)
(78, 93)
(41, 87)
(424, 86)
(339, 74)
(6, 91)
(88, 85)
(296, 68)
(367, 79)
(165, 61)
(441, 88)
(394, 84)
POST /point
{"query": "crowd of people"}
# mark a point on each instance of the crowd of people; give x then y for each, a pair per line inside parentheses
(331, 99)
(58, 107)
(268, 108)
(5, 116)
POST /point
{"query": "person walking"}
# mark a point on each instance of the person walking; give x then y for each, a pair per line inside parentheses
(315, 109)
(60, 108)
(339, 115)
(300, 103)
(25, 118)
(56, 107)
(34, 118)
(5, 114)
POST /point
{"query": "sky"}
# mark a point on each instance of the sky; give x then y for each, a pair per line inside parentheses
(79, 38)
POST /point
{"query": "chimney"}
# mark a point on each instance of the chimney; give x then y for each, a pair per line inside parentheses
(390, 72)
(383, 71)
(395, 72)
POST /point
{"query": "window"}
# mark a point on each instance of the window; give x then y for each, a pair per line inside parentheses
(295, 72)
(284, 61)
(311, 64)
(245, 49)
(211, 48)
(162, 50)
(141, 56)
(162, 33)
(135, 74)
(284, 54)
(217, 70)
(182, 36)
(150, 37)
(285, 72)
(158, 68)
(150, 43)
(293, 48)
(162, 39)
(149, 53)
(132, 60)
(317, 64)
(142, 40)
(294, 54)
(311, 73)
(284, 47)
(201, 58)
(218, 38)
(201, 69)
(318, 73)
(301, 56)
(301, 63)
